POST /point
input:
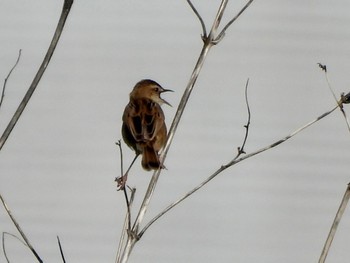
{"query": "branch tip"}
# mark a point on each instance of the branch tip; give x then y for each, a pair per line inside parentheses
(323, 67)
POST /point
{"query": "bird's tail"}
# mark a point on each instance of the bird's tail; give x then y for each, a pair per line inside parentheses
(150, 159)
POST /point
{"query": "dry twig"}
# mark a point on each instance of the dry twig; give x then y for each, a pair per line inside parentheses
(61, 250)
(26, 240)
(335, 224)
(64, 14)
(344, 99)
(8, 76)
(3, 243)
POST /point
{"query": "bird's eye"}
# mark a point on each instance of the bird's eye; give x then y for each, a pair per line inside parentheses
(156, 89)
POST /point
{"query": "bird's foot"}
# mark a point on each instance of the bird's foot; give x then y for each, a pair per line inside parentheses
(121, 181)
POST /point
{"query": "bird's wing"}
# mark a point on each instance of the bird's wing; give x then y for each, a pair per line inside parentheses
(144, 119)
(153, 120)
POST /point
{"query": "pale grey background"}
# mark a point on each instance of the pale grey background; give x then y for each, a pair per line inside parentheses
(58, 166)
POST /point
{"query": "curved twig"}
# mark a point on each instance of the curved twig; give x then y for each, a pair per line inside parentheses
(3, 243)
(343, 99)
(241, 149)
(8, 76)
(64, 14)
(119, 144)
(26, 240)
(204, 30)
(234, 161)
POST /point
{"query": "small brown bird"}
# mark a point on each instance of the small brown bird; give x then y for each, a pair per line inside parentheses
(144, 128)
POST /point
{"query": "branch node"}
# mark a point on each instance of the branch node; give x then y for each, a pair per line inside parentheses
(133, 235)
(240, 151)
(218, 38)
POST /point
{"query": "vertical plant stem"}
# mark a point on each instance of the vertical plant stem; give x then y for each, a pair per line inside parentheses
(179, 112)
(64, 14)
(335, 224)
(208, 43)
(128, 248)
(126, 227)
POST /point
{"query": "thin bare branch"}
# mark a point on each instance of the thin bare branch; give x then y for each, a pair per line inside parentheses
(241, 149)
(212, 39)
(127, 207)
(61, 250)
(126, 226)
(119, 144)
(3, 243)
(64, 14)
(324, 69)
(26, 240)
(127, 222)
(343, 99)
(204, 30)
(335, 224)
(234, 161)
(8, 76)
(222, 33)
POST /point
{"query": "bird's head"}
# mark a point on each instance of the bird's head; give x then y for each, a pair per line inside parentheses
(149, 89)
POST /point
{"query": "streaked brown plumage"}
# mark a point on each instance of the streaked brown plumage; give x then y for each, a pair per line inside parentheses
(143, 127)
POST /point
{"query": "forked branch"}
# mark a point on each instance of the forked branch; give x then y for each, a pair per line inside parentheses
(208, 42)
(234, 161)
(344, 99)
(212, 38)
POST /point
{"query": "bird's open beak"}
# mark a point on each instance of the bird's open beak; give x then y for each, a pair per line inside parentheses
(164, 101)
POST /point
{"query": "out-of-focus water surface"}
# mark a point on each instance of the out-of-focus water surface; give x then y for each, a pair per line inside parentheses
(58, 167)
